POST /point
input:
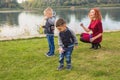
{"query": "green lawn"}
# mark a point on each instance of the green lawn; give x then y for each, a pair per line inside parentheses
(25, 60)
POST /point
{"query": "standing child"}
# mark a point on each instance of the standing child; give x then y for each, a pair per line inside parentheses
(49, 30)
(66, 41)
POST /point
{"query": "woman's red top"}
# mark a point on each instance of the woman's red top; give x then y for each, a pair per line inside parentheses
(96, 27)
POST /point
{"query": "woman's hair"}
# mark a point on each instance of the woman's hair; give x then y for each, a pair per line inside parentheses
(98, 15)
(60, 22)
(49, 10)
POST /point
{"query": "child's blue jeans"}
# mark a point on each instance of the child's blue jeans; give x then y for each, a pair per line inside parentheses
(50, 39)
(67, 54)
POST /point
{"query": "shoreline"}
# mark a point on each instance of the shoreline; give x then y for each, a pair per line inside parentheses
(21, 37)
(38, 36)
(36, 9)
(15, 11)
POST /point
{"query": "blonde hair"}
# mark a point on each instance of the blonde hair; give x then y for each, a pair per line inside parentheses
(49, 11)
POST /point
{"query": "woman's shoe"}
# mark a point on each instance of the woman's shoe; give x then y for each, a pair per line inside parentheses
(97, 46)
(92, 47)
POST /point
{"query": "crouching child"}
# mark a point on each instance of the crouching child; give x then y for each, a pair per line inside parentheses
(66, 41)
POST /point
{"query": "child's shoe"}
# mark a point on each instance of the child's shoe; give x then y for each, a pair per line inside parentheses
(60, 67)
(49, 55)
(69, 67)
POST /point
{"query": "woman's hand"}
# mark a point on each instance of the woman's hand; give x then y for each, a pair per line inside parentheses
(95, 37)
(81, 24)
(86, 29)
(92, 39)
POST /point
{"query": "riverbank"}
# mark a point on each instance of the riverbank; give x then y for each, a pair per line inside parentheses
(14, 11)
(57, 7)
(37, 36)
(25, 60)
(75, 7)
(21, 37)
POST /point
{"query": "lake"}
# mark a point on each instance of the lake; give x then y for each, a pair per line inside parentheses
(25, 23)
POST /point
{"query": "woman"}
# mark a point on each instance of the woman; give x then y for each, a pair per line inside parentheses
(94, 31)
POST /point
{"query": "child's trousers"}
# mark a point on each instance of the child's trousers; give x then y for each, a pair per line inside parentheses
(67, 54)
(50, 39)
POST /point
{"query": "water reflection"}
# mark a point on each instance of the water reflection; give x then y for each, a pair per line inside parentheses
(9, 19)
(25, 23)
(25, 26)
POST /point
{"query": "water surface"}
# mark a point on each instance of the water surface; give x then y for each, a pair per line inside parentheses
(17, 24)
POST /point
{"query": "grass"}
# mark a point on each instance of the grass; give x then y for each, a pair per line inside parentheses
(25, 60)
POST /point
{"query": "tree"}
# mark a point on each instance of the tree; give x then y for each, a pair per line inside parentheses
(39, 3)
(8, 4)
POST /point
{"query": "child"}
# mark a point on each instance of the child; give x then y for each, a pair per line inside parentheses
(49, 30)
(66, 42)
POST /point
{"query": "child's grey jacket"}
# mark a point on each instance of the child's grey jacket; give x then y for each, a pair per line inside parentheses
(49, 26)
(60, 42)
